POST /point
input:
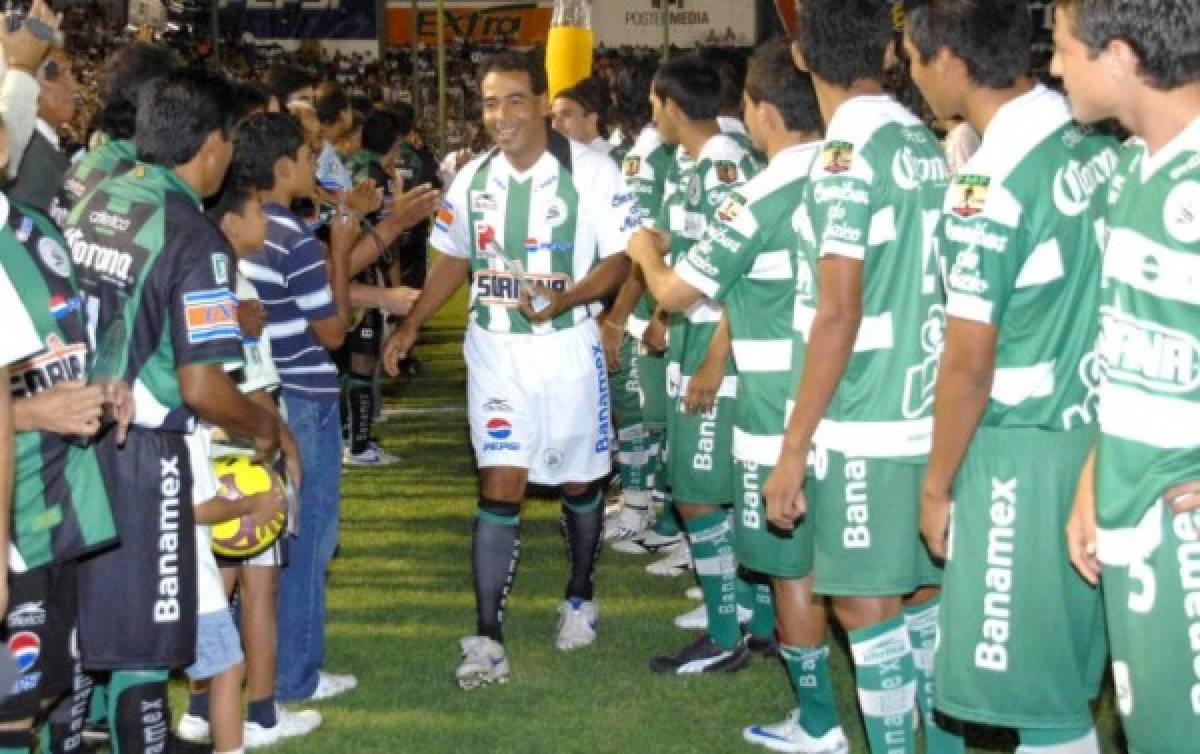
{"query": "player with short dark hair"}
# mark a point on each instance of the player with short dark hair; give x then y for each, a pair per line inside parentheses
(122, 79)
(863, 409)
(1134, 525)
(1013, 408)
(539, 225)
(155, 276)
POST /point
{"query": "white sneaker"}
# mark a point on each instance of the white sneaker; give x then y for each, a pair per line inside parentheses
(651, 542)
(676, 562)
(483, 662)
(288, 723)
(373, 455)
(790, 738)
(330, 685)
(694, 593)
(576, 624)
(628, 523)
(193, 729)
(697, 618)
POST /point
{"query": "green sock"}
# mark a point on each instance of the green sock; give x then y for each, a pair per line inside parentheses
(98, 706)
(712, 549)
(137, 708)
(1058, 741)
(808, 670)
(667, 524)
(762, 622)
(886, 685)
(921, 621)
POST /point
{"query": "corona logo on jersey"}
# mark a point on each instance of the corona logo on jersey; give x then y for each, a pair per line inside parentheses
(241, 537)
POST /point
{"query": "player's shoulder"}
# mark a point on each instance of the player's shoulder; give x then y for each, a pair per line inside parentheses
(786, 173)
(647, 143)
(723, 147)
(864, 131)
(589, 165)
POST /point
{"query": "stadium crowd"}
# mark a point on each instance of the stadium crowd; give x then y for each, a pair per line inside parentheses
(940, 387)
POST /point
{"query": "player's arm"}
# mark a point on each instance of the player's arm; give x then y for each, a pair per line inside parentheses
(212, 395)
(600, 282)
(1081, 526)
(706, 382)
(330, 330)
(672, 293)
(830, 345)
(447, 276)
(617, 323)
(964, 384)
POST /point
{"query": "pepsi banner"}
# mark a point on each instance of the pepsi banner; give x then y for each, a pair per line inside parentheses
(302, 19)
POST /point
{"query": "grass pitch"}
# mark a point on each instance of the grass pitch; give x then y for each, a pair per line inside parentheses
(400, 596)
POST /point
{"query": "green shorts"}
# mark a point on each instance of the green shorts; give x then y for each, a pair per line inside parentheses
(758, 545)
(1021, 634)
(652, 382)
(626, 395)
(866, 534)
(700, 454)
(1151, 582)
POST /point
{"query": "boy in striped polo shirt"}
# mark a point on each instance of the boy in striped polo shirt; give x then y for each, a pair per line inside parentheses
(308, 312)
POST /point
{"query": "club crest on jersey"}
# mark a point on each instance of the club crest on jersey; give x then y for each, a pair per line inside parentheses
(54, 256)
(210, 315)
(727, 171)
(62, 307)
(556, 212)
(1181, 212)
(837, 157)
(969, 194)
(25, 230)
(729, 211)
(631, 166)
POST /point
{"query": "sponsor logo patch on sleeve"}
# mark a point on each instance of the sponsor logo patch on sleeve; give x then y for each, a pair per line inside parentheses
(210, 315)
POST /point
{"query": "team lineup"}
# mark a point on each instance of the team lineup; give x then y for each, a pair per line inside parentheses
(855, 376)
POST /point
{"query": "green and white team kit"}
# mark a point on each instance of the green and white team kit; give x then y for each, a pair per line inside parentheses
(514, 225)
(699, 465)
(753, 259)
(876, 195)
(1149, 348)
(1021, 640)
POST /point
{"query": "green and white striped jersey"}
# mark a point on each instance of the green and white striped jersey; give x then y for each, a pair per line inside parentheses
(557, 220)
(756, 259)
(1149, 341)
(876, 196)
(721, 167)
(1026, 260)
(646, 168)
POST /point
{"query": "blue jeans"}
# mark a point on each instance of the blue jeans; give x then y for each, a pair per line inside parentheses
(316, 425)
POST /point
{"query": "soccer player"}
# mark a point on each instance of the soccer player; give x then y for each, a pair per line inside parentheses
(1021, 639)
(60, 510)
(1134, 527)
(752, 259)
(579, 113)
(865, 396)
(536, 208)
(122, 79)
(701, 380)
(155, 276)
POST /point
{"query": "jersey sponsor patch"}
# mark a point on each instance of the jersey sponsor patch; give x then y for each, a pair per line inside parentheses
(220, 267)
(632, 166)
(61, 307)
(556, 212)
(481, 201)
(837, 157)
(444, 218)
(60, 362)
(25, 647)
(969, 194)
(499, 428)
(25, 230)
(210, 315)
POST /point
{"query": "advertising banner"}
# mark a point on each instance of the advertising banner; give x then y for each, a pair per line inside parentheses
(302, 19)
(518, 23)
(639, 22)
